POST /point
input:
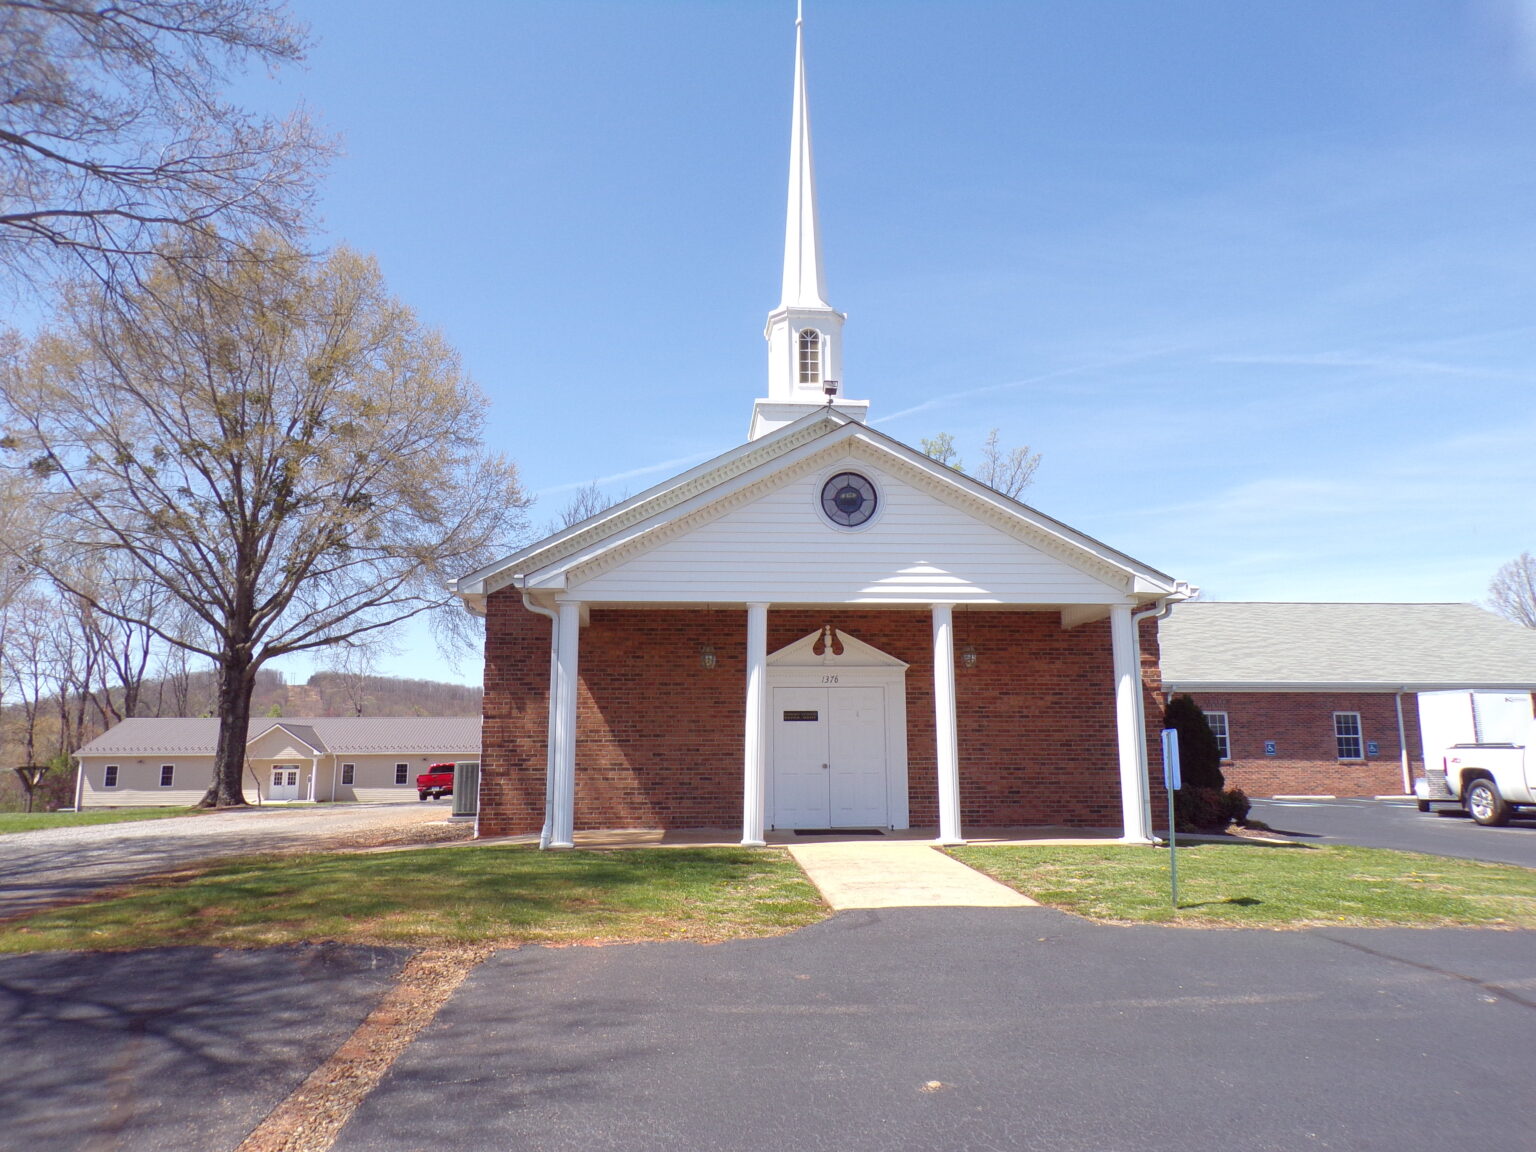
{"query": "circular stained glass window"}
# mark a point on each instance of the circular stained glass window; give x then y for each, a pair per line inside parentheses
(848, 499)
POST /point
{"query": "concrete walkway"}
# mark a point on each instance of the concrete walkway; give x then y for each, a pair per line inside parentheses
(898, 874)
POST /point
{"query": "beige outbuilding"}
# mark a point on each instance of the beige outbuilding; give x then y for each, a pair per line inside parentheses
(169, 760)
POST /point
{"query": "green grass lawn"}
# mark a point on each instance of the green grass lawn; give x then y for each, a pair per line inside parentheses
(31, 821)
(1249, 884)
(470, 894)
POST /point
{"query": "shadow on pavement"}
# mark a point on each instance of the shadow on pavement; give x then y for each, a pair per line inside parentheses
(171, 1049)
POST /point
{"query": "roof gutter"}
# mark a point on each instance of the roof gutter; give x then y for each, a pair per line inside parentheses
(1157, 610)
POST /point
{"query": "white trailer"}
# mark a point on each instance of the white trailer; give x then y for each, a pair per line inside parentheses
(1491, 779)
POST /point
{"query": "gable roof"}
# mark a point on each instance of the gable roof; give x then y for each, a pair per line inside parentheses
(337, 735)
(305, 734)
(1372, 647)
(642, 519)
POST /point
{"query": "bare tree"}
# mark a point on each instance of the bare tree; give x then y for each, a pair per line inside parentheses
(173, 682)
(354, 667)
(585, 503)
(1009, 470)
(29, 659)
(114, 132)
(1512, 592)
(278, 445)
(18, 523)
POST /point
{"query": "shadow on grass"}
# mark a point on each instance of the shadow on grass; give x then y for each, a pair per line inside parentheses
(1239, 901)
(458, 894)
(1243, 842)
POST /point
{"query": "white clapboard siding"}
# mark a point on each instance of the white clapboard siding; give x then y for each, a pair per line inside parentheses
(138, 785)
(779, 548)
(373, 781)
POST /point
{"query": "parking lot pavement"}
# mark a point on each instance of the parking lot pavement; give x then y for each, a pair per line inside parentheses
(1399, 824)
(176, 1050)
(49, 865)
(979, 1029)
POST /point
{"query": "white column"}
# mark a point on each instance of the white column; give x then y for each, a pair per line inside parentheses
(563, 822)
(1402, 747)
(754, 785)
(547, 832)
(1133, 754)
(944, 728)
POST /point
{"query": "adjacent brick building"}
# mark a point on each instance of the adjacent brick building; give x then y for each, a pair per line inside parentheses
(1347, 699)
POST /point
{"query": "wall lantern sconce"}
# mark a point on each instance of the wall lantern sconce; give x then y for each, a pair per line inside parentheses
(968, 657)
(706, 656)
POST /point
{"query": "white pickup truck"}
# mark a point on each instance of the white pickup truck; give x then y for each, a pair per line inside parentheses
(1489, 780)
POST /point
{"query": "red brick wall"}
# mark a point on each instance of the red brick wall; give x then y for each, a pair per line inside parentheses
(659, 738)
(514, 717)
(1306, 760)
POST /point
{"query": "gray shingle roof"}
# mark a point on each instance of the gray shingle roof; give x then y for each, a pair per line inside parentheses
(342, 735)
(1370, 646)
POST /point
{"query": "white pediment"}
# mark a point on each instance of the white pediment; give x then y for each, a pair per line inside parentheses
(854, 653)
(741, 528)
(279, 743)
(771, 541)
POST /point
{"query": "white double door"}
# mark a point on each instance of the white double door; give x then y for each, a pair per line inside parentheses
(285, 782)
(829, 758)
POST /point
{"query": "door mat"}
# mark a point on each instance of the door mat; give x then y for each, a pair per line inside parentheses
(839, 831)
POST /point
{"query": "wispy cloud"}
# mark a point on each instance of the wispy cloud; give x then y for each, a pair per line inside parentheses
(1353, 361)
(945, 399)
(1431, 521)
(673, 465)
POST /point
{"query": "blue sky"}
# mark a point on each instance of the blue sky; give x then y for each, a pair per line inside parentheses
(1257, 280)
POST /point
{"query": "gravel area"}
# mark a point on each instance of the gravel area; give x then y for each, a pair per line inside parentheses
(57, 865)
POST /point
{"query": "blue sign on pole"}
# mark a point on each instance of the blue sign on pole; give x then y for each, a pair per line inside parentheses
(1173, 780)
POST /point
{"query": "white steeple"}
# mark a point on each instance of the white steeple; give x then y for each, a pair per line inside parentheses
(804, 333)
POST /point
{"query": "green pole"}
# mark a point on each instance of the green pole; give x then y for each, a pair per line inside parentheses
(1173, 855)
(1173, 780)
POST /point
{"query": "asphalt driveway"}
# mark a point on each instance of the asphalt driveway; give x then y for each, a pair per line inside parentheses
(53, 864)
(980, 1029)
(1400, 825)
(176, 1050)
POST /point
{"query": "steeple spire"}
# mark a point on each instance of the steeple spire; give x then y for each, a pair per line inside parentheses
(804, 283)
(804, 333)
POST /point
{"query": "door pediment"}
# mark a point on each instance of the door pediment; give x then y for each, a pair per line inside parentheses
(855, 653)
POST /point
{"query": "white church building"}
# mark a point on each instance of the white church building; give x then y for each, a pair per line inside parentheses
(821, 628)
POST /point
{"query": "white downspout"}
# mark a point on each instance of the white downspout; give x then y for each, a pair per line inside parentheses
(1402, 744)
(1159, 610)
(79, 784)
(547, 832)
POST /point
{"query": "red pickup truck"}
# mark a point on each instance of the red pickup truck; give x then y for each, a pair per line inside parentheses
(436, 782)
